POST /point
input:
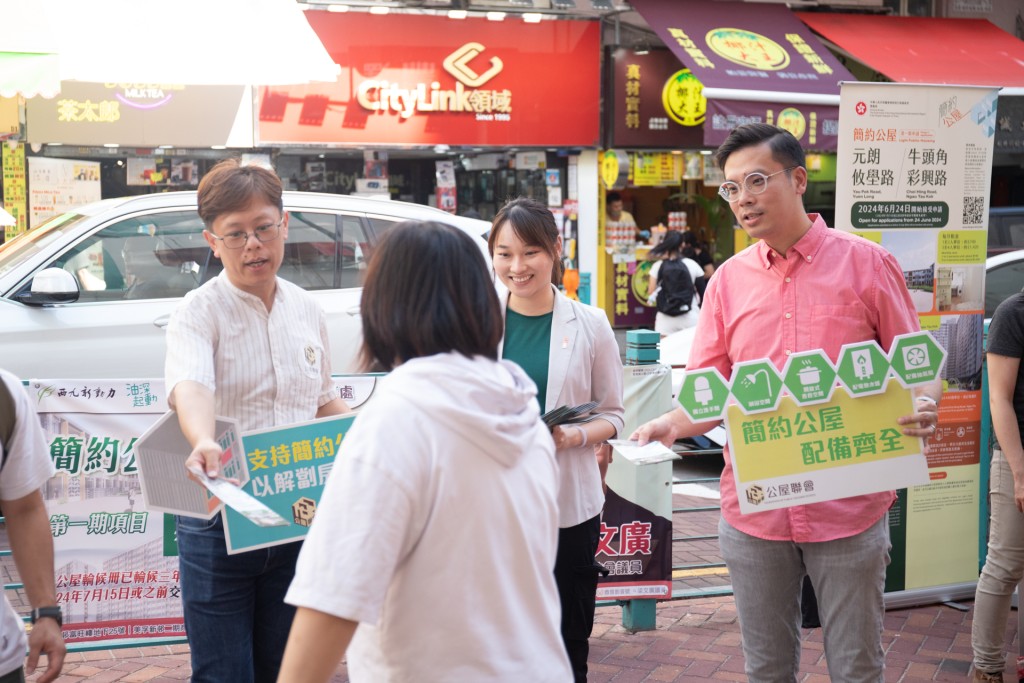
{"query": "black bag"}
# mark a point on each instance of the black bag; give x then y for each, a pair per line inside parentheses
(677, 290)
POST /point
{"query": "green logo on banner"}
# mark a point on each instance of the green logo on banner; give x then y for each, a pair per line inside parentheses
(756, 386)
(704, 394)
(809, 377)
(863, 368)
(916, 358)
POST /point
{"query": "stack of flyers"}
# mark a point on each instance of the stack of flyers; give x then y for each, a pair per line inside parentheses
(567, 415)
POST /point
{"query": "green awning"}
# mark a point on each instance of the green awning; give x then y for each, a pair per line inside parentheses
(29, 74)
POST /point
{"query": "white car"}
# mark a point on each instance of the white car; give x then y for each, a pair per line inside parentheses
(88, 293)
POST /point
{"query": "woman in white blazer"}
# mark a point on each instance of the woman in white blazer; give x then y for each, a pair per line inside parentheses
(569, 350)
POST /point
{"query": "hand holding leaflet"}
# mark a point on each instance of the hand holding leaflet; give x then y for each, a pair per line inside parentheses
(237, 499)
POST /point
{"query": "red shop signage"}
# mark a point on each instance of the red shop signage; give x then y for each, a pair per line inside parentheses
(427, 80)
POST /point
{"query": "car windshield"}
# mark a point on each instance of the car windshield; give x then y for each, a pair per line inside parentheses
(26, 244)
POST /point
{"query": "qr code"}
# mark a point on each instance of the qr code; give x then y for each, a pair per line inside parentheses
(974, 208)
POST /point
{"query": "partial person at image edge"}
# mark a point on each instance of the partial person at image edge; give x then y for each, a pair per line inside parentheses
(1004, 562)
(25, 466)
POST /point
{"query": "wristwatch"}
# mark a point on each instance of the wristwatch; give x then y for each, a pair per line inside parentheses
(51, 612)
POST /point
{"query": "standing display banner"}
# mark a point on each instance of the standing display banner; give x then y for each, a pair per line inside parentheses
(116, 563)
(635, 545)
(915, 170)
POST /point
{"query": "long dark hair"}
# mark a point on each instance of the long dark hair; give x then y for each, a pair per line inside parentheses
(427, 291)
(534, 224)
(671, 244)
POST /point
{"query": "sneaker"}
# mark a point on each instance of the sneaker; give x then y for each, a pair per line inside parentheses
(986, 677)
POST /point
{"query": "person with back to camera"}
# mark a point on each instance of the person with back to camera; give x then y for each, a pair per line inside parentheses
(445, 489)
(697, 251)
(672, 285)
(1004, 564)
(801, 287)
(253, 347)
(569, 350)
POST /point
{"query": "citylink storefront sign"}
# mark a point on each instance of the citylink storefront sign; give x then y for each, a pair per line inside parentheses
(469, 82)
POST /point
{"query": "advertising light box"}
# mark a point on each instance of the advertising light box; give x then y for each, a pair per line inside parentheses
(428, 80)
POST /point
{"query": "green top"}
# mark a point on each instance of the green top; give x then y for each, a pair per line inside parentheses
(527, 344)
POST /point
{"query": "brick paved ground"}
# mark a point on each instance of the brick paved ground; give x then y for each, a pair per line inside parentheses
(695, 640)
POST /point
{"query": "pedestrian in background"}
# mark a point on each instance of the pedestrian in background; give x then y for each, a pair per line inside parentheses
(698, 251)
(250, 346)
(801, 287)
(1004, 564)
(672, 285)
(432, 547)
(569, 350)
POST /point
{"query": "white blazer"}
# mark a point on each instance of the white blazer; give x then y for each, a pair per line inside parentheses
(584, 364)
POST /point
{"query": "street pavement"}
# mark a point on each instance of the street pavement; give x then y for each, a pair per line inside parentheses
(695, 640)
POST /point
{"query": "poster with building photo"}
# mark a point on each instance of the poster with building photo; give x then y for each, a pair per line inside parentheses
(914, 172)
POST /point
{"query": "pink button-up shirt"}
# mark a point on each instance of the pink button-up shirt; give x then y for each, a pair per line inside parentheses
(832, 288)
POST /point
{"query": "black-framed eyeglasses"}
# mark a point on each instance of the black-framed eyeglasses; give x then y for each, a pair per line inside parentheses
(238, 239)
(754, 183)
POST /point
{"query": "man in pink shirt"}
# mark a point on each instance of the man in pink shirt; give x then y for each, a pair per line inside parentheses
(801, 287)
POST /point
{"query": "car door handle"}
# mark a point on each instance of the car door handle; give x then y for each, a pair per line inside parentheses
(354, 311)
(162, 321)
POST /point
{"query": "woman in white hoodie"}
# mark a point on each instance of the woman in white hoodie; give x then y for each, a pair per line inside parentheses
(437, 529)
(569, 350)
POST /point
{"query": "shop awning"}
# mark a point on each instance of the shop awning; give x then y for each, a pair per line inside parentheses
(747, 51)
(757, 63)
(27, 75)
(926, 49)
(190, 42)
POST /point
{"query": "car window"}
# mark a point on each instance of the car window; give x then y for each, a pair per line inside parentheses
(1001, 282)
(152, 256)
(1013, 227)
(355, 251)
(310, 253)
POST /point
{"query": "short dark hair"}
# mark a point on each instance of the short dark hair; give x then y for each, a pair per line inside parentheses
(534, 224)
(427, 291)
(230, 187)
(612, 197)
(785, 148)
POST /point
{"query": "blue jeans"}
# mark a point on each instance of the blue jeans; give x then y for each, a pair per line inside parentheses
(236, 619)
(849, 578)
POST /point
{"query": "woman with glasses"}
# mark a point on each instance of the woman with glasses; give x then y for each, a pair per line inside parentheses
(569, 351)
(253, 347)
(433, 543)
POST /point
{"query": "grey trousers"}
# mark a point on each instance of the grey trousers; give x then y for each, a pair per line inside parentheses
(1004, 566)
(849, 579)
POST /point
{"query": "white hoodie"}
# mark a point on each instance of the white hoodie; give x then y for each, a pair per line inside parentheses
(438, 527)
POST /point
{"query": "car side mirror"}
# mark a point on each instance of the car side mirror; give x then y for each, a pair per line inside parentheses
(51, 286)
